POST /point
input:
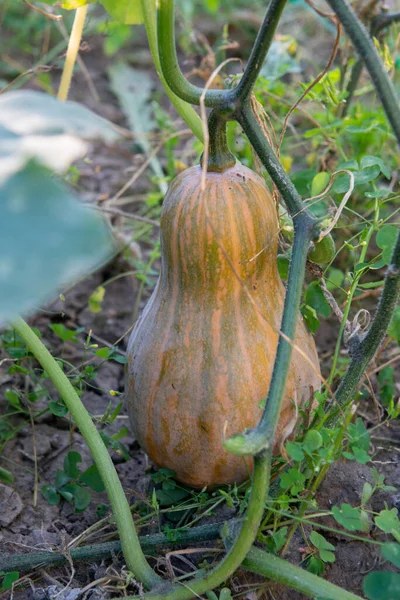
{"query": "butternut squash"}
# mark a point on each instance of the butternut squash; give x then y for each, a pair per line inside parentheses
(200, 357)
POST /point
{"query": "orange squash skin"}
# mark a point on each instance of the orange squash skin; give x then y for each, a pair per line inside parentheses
(200, 358)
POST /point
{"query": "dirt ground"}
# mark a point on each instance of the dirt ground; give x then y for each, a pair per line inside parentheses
(25, 528)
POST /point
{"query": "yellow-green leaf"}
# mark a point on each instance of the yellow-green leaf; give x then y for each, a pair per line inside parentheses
(73, 4)
(96, 299)
(128, 12)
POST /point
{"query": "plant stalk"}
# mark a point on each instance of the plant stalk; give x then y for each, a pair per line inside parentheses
(277, 569)
(133, 554)
(270, 161)
(72, 52)
(185, 110)
(240, 548)
(170, 65)
(260, 49)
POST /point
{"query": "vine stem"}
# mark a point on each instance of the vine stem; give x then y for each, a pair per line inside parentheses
(240, 548)
(292, 199)
(261, 46)
(361, 40)
(185, 110)
(277, 569)
(133, 554)
(224, 100)
(365, 347)
(72, 52)
(380, 22)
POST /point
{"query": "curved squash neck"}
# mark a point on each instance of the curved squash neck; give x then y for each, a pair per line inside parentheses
(220, 157)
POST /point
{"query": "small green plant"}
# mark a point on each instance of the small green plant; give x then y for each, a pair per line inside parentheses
(72, 484)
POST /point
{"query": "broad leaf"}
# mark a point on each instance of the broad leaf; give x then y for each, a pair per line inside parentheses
(133, 88)
(27, 112)
(35, 125)
(381, 585)
(47, 239)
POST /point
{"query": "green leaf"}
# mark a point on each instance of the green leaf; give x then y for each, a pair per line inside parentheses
(386, 240)
(6, 476)
(9, 579)
(47, 239)
(61, 479)
(96, 299)
(82, 498)
(170, 496)
(35, 125)
(225, 594)
(315, 566)
(292, 479)
(294, 449)
(366, 493)
(380, 585)
(27, 112)
(319, 183)
(73, 4)
(369, 161)
(128, 12)
(12, 398)
(391, 552)
(388, 521)
(70, 464)
(91, 477)
(360, 455)
(315, 298)
(51, 495)
(312, 441)
(310, 317)
(65, 334)
(324, 547)
(359, 435)
(58, 409)
(283, 266)
(348, 517)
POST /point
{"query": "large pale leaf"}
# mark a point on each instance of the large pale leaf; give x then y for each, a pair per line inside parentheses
(35, 125)
(133, 89)
(55, 151)
(47, 239)
(27, 112)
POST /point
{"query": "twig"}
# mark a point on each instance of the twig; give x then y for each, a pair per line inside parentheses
(72, 52)
(121, 213)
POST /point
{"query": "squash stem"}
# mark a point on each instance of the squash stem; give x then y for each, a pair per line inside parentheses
(220, 157)
(133, 554)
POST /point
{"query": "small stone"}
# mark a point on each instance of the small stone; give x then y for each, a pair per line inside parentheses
(10, 505)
